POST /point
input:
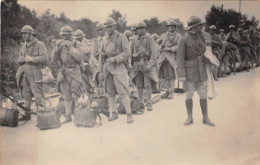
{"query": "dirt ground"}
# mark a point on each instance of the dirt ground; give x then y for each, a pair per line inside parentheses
(157, 137)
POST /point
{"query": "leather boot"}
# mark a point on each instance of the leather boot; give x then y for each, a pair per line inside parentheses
(149, 107)
(204, 109)
(130, 118)
(113, 116)
(67, 119)
(27, 114)
(189, 104)
(149, 99)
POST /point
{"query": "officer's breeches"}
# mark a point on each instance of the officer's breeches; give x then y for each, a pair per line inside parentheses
(201, 88)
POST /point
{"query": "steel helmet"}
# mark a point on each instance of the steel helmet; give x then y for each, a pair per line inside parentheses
(231, 27)
(109, 21)
(127, 33)
(133, 26)
(99, 26)
(78, 33)
(66, 30)
(140, 25)
(155, 36)
(221, 30)
(171, 22)
(212, 27)
(193, 21)
(239, 30)
(27, 29)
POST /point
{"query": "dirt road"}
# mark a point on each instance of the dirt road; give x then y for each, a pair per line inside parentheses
(155, 138)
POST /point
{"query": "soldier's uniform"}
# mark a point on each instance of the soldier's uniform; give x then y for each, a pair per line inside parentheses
(244, 48)
(191, 68)
(225, 55)
(167, 61)
(254, 40)
(28, 71)
(216, 45)
(69, 76)
(144, 56)
(112, 61)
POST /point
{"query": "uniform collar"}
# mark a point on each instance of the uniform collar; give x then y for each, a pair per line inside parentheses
(33, 42)
(142, 37)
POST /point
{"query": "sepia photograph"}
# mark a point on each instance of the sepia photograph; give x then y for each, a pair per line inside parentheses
(149, 82)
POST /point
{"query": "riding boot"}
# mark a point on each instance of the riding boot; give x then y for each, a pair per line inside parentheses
(204, 109)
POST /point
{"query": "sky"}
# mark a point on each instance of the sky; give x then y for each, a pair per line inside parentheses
(139, 10)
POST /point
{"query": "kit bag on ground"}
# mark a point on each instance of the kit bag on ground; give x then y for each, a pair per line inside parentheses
(133, 104)
(86, 113)
(48, 119)
(9, 115)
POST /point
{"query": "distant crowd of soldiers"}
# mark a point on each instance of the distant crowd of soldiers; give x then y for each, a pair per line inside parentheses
(149, 63)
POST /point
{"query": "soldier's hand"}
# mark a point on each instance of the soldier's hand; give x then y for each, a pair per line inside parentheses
(28, 59)
(111, 60)
(182, 79)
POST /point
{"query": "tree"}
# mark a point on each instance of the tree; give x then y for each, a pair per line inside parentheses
(120, 20)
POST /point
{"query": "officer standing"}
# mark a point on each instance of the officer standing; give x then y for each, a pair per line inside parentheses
(114, 55)
(216, 45)
(69, 76)
(191, 67)
(32, 57)
(167, 61)
(144, 56)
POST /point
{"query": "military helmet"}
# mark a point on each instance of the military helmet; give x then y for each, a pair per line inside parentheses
(171, 22)
(133, 26)
(99, 26)
(127, 33)
(27, 29)
(66, 30)
(78, 33)
(193, 21)
(212, 27)
(109, 21)
(221, 30)
(155, 36)
(239, 30)
(140, 25)
(232, 27)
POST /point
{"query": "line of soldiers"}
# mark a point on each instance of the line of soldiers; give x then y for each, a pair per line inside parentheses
(134, 58)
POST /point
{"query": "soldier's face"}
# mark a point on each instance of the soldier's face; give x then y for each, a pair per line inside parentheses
(171, 28)
(232, 30)
(197, 29)
(221, 33)
(66, 36)
(110, 29)
(26, 36)
(140, 31)
(79, 39)
(211, 31)
(101, 32)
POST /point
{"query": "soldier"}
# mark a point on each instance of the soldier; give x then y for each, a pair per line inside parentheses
(216, 45)
(87, 66)
(128, 34)
(167, 61)
(144, 56)
(244, 48)
(97, 41)
(69, 76)
(191, 67)
(114, 55)
(32, 57)
(254, 39)
(222, 34)
(233, 38)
